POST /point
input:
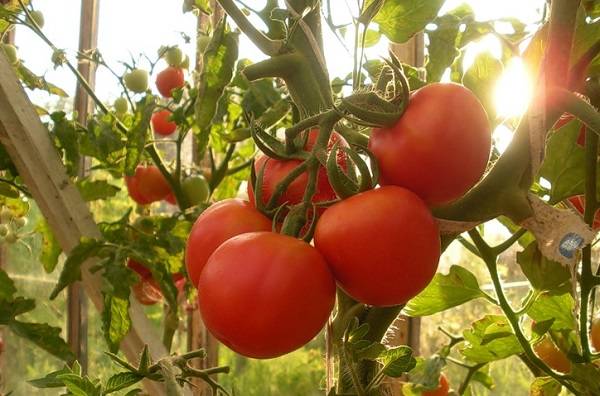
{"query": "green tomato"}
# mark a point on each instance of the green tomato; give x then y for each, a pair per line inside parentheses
(11, 53)
(202, 42)
(121, 105)
(3, 230)
(185, 63)
(196, 189)
(38, 18)
(6, 215)
(174, 56)
(20, 222)
(137, 80)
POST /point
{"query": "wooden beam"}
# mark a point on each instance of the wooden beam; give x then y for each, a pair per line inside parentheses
(29, 145)
(76, 299)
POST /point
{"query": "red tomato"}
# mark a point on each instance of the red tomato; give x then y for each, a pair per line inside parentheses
(147, 185)
(277, 170)
(596, 334)
(161, 123)
(169, 79)
(578, 202)
(440, 146)
(217, 224)
(1, 345)
(170, 198)
(552, 356)
(265, 294)
(442, 390)
(146, 292)
(383, 245)
(141, 269)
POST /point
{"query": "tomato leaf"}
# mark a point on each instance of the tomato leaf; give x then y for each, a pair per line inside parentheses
(80, 386)
(543, 274)
(92, 190)
(7, 287)
(481, 78)
(116, 322)
(50, 249)
(557, 308)
(426, 374)
(442, 48)
(490, 339)
(44, 336)
(136, 138)
(51, 380)
(121, 381)
(399, 20)
(397, 361)
(544, 386)
(32, 81)
(444, 292)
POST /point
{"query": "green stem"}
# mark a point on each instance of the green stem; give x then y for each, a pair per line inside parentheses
(471, 371)
(577, 106)
(490, 260)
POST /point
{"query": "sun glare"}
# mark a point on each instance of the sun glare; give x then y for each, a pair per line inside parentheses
(513, 90)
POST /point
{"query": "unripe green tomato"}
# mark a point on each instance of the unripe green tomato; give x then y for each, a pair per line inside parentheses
(11, 53)
(20, 222)
(3, 230)
(202, 42)
(6, 215)
(38, 17)
(121, 105)
(137, 80)
(174, 56)
(196, 189)
(185, 63)
(11, 237)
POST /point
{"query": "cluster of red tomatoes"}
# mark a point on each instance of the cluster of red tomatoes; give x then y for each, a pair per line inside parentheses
(264, 294)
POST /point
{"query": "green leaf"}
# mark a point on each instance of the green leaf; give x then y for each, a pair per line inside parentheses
(490, 339)
(7, 190)
(397, 361)
(483, 378)
(370, 352)
(72, 269)
(481, 78)
(16, 307)
(444, 292)
(45, 336)
(7, 287)
(442, 49)
(116, 322)
(563, 164)
(50, 380)
(219, 62)
(121, 381)
(66, 133)
(544, 386)
(558, 308)
(544, 274)
(372, 37)
(80, 386)
(50, 249)
(586, 377)
(399, 20)
(92, 190)
(426, 374)
(136, 137)
(33, 81)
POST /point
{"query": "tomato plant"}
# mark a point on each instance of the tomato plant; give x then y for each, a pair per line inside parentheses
(442, 390)
(136, 80)
(169, 79)
(147, 185)
(253, 294)
(216, 225)
(385, 258)
(161, 123)
(439, 148)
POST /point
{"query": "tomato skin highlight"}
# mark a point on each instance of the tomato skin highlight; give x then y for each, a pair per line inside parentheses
(161, 123)
(265, 294)
(383, 245)
(276, 170)
(147, 185)
(442, 390)
(169, 79)
(217, 224)
(440, 146)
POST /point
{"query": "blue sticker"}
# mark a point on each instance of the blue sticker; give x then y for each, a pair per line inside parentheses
(569, 244)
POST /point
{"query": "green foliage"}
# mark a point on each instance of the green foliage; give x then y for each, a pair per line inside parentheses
(491, 338)
(399, 20)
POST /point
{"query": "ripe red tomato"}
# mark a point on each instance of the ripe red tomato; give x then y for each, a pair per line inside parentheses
(141, 269)
(217, 224)
(552, 356)
(383, 245)
(146, 292)
(578, 202)
(440, 146)
(161, 123)
(442, 390)
(276, 170)
(147, 185)
(265, 294)
(596, 334)
(169, 79)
